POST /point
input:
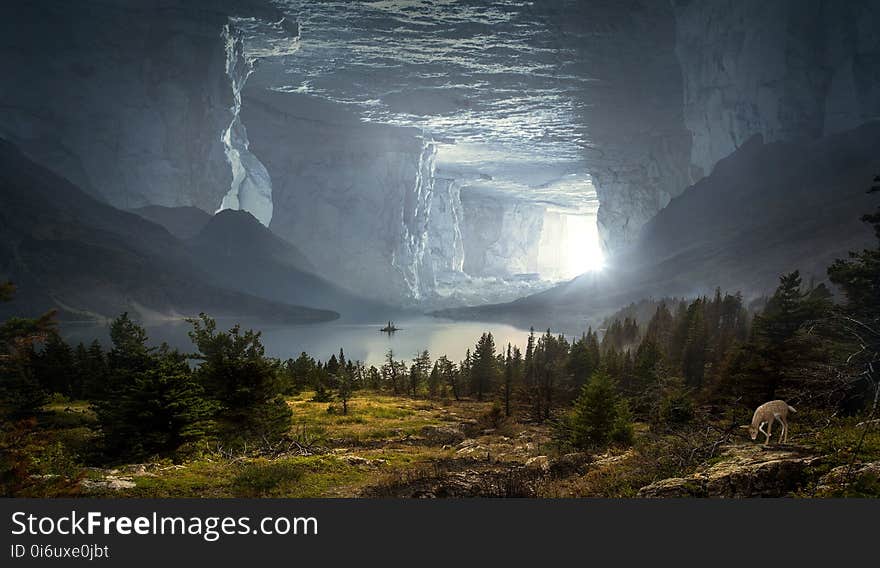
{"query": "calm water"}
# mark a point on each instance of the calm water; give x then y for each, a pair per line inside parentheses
(360, 341)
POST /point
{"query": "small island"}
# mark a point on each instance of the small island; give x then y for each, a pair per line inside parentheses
(390, 328)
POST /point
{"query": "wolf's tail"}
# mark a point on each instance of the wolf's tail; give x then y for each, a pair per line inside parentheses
(791, 408)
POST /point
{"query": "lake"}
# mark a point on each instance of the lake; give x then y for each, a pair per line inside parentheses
(361, 341)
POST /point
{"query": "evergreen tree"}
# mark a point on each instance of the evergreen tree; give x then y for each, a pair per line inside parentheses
(94, 370)
(418, 372)
(21, 394)
(114, 403)
(693, 356)
(599, 416)
(166, 407)
(392, 371)
(584, 358)
(243, 381)
(464, 370)
(484, 369)
(345, 387)
(513, 363)
(55, 367)
(859, 321)
(448, 374)
(660, 328)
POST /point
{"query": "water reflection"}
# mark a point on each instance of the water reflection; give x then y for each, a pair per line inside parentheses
(362, 341)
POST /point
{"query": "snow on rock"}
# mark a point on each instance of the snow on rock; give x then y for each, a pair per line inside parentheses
(251, 186)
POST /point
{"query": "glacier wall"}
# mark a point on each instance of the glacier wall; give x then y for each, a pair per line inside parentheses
(445, 240)
(501, 236)
(788, 70)
(251, 185)
(357, 198)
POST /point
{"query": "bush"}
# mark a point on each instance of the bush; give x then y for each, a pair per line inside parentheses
(263, 478)
(676, 404)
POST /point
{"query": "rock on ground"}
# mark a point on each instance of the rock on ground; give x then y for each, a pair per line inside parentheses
(744, 471)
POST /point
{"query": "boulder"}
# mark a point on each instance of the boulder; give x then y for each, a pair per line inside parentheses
(861, 478)
(443, 435)
(743, 471)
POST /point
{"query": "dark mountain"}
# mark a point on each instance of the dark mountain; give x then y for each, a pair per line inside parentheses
(64, 249)
(765, 210)
(240, 253)
(182, 222)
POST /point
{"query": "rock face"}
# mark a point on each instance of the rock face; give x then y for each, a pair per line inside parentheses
(501, 236)
(743, 471)
(636, 143)
(357, 198)
(445, 221)
(675, 87)
(787, 70)
(154, 103)
(136, 103)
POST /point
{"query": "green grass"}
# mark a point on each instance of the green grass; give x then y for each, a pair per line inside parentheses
(372, 417)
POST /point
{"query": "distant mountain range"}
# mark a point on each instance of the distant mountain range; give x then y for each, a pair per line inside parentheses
(765, 210)
(65, 250)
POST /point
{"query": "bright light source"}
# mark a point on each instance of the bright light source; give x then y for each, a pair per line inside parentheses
(582, 251)
(569, 245)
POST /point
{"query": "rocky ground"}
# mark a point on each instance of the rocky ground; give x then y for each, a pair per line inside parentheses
(404, 448)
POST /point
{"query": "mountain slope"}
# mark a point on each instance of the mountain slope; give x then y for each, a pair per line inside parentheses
(765, 210)
(66, 250)
(182, 222)
(240, 253)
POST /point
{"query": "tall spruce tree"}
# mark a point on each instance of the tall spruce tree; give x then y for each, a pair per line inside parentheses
(484, 369)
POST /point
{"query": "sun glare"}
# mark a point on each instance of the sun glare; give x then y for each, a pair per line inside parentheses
(569, 245)
(580, 244)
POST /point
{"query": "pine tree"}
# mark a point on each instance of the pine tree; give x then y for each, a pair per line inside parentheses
(418, 372)
(345, 388)
(391, 371)
(484, 370)
(512, 371)
(448, 374)
(167, 407)
(599, 417)
(55, 367)
(94, 369)
(693, 357)
(21, 394)
(583, 359)
(243, 381)
(127, 361)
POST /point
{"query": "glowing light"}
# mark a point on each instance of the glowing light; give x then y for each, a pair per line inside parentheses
(569, 245)
(581, 249)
